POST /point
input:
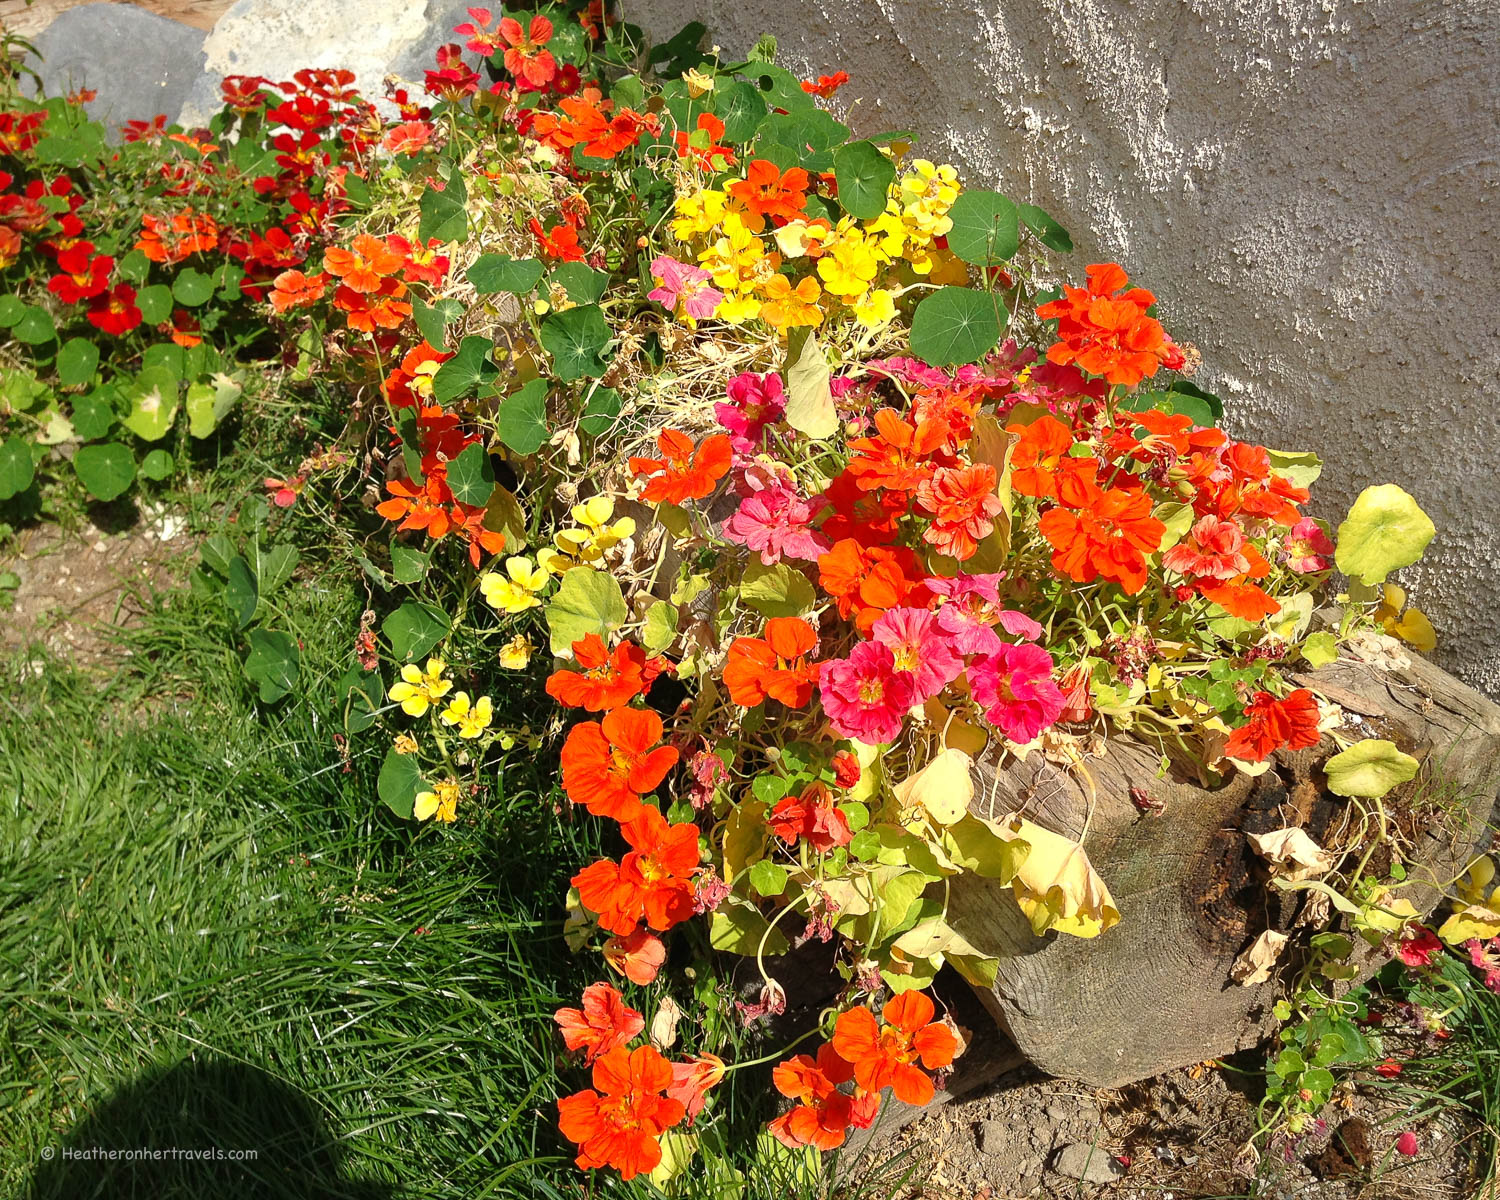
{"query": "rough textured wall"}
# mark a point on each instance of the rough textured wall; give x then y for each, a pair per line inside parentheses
(1311, 187)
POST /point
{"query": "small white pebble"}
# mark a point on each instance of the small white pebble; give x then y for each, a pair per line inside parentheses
(100, 547)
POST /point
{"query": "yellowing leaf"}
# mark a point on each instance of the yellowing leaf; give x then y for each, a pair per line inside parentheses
(738, 928)
(1470, 922)
(1385, 530)
(1384, 915)
(744, 837)
(1320, 649)
(663, 1031)
(1292, 852)
(1254, 965)
(677, 1150)
(1415, 629)
(956, 733)
(1057, 888)
(809, 400)
(942, 789)
(984, 848)
(1369, 769)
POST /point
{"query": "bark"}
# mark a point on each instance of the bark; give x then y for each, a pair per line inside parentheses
(1154, 992)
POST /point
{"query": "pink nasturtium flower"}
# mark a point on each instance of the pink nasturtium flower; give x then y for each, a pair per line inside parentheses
(683, 286)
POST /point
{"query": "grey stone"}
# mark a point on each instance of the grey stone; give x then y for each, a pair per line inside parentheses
(139, 63)
(1057, 1111)
(1088, 1163)
(992, 1137)
(277, 38)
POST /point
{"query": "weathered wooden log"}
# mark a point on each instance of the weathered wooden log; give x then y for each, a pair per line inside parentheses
(1154, 992)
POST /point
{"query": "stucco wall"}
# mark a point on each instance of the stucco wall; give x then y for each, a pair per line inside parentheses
(1311, 188)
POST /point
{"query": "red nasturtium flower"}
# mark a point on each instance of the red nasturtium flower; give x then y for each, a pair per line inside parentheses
(1271, 724)
(423, 506)
(775, 665)
(692, 1081)
(604, 1022)
(1104, 329)
(884, 1056)
(617, 1122)
(559, 242)
(609, 679)
(683, 472)
(115, 312)
(1110, 536)
(637, 955)
(608, 765)
(822, 1114)
(826, 85)
(814, 817)
(82, 275)
(652, 882)
(767, 191)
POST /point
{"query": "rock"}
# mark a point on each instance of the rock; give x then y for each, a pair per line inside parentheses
(992, 1136)
(139, 63)
(1087, 1163)
(1056, 1112)
(277, 38)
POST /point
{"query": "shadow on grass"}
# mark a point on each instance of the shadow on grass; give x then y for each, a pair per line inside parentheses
(215, 1130)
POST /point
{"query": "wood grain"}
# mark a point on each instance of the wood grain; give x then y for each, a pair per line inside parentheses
(29, 17)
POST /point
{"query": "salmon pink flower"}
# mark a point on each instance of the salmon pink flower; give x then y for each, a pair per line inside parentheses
(692, 1081)
(637, 955)
(1016, 689)
(409, 137)
(619, 1121)
(362, 267)
(774, 666)
(683, 287)
(755, 401)
(822, 1115)
(812, 817)
(608, 679)
(604, 1022)
(885, 1055)
(293, 289)
(654, 881)
(608, 765)
(482, 39)
(864, 695)
(776, 521)
(1306, 547)
(1271, 724)
(1213, 549)
(963, 505)
(683, 472)
(921, 649)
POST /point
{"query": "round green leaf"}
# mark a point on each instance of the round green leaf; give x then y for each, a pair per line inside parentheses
(1383, 531)
(157, 465)
(600, 411)
(272, 663)
(443, 215)
(155, 303)
(12, 309)
(209, 403)
(956, 325)
(463, 374)
(153, 404)
(583, 284)
(105, 470)
(986, 228)
(1369, 768)
(470, 476)
(587, 601)
(414, 629)
(35, 326)
(399, 782)
(864, 176)
(192, 287)
(241, 592)
(76, 362)
(522, 419)
(16, 467)
(776, 591)
(660, 628)
(576, 340)
(1051, 234)
(94, 414)
(492, 273)
(407, 565)
(767, 878)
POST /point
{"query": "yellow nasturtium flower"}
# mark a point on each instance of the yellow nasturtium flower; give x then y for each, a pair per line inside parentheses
(471, 717)
(441, 802)
(850, 265)
(516, 653)
(517, 589)
(875, 308)
(418, 690)
(698, 214)
(698, 83)
(596, 534)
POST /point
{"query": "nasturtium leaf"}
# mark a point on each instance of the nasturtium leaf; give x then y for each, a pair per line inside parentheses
(35, 326)
(407, 565)
(737, 928)
(1369, 769)
(192, 287)
(942, 789)
(741, 108)
(985, 229)
(470, 476)
(660, 628)
(521, 420)
(414, 629)
(272, 663)
(432, 320)
(443, 215)
(587, 601)
(806, 139)
(1052, 235)
(1384, 530)
(12, 309)
(768, 879)
(1057, 887)
(274, 566)
(1187, 387)
(809, 405)
(956, 325)
(462, 374)
(399, 782)
(1302, 469)
(576, 340)
(361, 693)
(105, 469)
(156, 466)
(505, 516)
(600, 411)
(133, 267)
(583, 284)
(1320, 649)
(77, 361)
(209, 403)
(776, 591)
(491, 273)
(155, 303)
(778, 87)
(241, 592)
(17, 469)
(864, 175)
(153, 404)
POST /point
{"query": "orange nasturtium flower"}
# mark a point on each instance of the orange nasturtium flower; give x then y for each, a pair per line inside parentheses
(767, 191)
(363, 267)
(1274, 723)
(604, 1022)
(884, 1056)
(1104, 329)
(774, 666)
(963, 505)
(617, 1122)
(683, 472)
(692, 1080)
(524, 56)
(652, 882)
(822, 1114)
(293, 289)
(637, 955)
(187, 232)
(1035, 457)
(896, 457)
(608, 765)
(609, 679)
(1110, 536)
